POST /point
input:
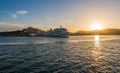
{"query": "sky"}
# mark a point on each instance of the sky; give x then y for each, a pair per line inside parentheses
(75, 15)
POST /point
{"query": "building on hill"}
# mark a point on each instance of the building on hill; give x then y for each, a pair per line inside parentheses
(33, 31)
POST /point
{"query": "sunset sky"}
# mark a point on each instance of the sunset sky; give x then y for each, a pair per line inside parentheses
(74, 15)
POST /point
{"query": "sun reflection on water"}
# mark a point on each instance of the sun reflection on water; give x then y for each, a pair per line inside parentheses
(97, 54)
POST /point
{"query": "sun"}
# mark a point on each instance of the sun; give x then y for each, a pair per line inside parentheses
(96, 26)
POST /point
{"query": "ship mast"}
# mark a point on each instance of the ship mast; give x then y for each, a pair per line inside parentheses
(60, 26)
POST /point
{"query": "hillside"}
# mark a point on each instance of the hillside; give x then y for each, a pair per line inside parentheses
(30, 31)
(98, 32)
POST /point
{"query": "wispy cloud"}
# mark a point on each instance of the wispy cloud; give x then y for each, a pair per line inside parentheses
(22, 12)
(68, 21)
(13, 15)
(5, 26)
(8, 26)
(50, 18)
(17, 13)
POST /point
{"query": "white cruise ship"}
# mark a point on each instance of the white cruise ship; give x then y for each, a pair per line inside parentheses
(58, 32)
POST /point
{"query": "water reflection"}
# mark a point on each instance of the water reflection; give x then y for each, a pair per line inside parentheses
(97, 54)
(97, 42)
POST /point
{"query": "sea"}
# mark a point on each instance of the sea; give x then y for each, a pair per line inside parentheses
(76, 54)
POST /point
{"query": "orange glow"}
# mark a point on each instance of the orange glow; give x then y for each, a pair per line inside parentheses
(96, 26)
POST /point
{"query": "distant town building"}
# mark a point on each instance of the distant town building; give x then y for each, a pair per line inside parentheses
(33, 32)
(58, 32)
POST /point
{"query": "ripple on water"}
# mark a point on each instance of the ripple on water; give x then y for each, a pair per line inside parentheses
(65, 57)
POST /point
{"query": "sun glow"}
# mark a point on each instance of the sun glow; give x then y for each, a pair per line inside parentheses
(96, 26)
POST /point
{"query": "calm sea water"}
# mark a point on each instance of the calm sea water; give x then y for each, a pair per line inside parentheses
(77, 54)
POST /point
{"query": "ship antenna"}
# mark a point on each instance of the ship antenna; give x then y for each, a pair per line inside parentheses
(60, 26)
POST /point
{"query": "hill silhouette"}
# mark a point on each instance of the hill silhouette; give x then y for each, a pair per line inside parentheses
(108, 31)
(30, 31)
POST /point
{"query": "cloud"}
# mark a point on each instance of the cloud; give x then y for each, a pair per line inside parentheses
(22, 12)
(17, 13)
(4, 26)
(50, 18)
(68, 21)
(13, 15)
